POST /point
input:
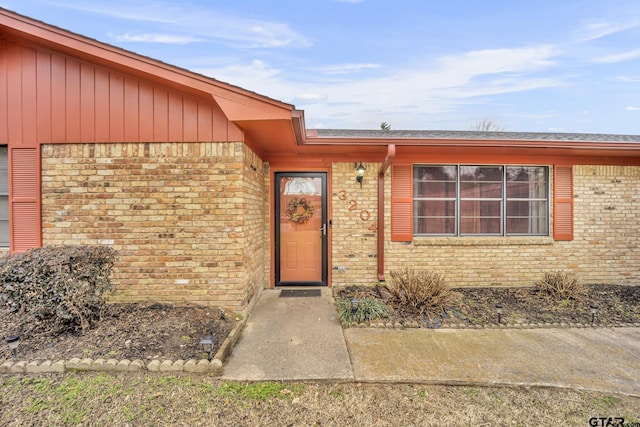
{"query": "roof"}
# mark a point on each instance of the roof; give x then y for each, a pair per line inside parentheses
(249, 110)
(470, 135)
(274, 128)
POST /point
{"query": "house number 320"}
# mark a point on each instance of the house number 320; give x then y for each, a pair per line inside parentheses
(352, 205)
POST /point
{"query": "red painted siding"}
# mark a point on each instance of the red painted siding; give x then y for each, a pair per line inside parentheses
(47, 97)
(54, 98)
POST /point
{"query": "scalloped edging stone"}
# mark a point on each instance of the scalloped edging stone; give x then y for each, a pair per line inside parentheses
(112, 365)
(201, 366)
(555, 325)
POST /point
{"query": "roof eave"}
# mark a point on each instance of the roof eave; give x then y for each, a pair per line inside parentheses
(488, 143)
(237, 103)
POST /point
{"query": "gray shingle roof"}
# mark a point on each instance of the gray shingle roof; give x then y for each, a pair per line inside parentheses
(475, 135)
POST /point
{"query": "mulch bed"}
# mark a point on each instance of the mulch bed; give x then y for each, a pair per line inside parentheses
(523, 306)
(126, 331)
(163, 331)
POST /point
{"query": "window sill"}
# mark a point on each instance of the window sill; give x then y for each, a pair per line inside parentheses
(483, 241)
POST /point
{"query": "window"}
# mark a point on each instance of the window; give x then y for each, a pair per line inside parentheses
(464, 200)
(4, 197)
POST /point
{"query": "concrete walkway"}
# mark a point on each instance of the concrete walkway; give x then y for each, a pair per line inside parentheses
(602, 359)
(300, 338)
(294, 338)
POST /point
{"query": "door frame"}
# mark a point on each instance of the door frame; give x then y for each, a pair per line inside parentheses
(324, 175)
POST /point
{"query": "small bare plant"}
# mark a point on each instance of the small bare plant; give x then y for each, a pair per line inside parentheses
(420, 291)
(560, 285)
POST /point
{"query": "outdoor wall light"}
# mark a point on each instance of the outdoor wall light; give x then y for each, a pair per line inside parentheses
(359, 172)
(207, 344)
(13, 342)
(594, 310)
(354, 304)
(499, 311)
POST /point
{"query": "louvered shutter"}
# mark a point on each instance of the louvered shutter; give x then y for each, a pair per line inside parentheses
(401, 203)
(563, 203)
(24, 198)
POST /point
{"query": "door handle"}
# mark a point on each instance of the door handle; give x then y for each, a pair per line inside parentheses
(324, 229)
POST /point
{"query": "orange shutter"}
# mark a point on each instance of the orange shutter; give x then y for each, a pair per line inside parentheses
(24, 197)
(563, 203)
(401, 203)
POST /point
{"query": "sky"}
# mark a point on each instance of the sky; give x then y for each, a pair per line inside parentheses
(526, 66)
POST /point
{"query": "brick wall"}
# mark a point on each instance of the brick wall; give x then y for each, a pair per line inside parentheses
(354, 235)
(182, 216)
(254, 216)
(605, 249)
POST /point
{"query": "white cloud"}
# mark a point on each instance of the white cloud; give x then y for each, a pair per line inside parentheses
(155, 38)
(627, 79)
(631, 108)
(201, 23)
(448, 84)
(257, 76)
(620, 57)
(309, 98)
(345, 68)
(597, 30)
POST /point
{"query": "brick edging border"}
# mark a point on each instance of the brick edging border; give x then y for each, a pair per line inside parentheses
(202, 366)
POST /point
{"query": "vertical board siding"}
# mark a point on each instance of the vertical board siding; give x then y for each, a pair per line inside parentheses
(401, 203)
(58, 102)
(131, 110)
(55, 98)
(29, 94)
(46, 97)
(116, 108)
(3, 92)
(145, 112)
(563, 203)
(100, 106)
(87, 100)
(43, 97)
(24, 199)
(14, 94)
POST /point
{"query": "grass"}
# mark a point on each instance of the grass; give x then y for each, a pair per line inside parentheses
(145, 399)
(262, 391)
(368, 309)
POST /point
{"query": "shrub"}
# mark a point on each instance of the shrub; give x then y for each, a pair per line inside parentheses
(368, 309)
(65, 286)
(420, 291)
(560, 285)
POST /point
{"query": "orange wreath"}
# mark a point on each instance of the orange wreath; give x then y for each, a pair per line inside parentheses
(299, 210)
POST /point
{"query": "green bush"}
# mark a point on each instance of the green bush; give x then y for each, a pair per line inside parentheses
(65, 286)
(420, 291)
(560, 285)
(368, 309)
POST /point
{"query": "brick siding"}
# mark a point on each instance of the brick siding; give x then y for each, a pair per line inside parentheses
(182, 216)
(355, 215)
(605, 249)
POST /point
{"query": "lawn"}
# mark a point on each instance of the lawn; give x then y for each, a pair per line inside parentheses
(159, 400)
